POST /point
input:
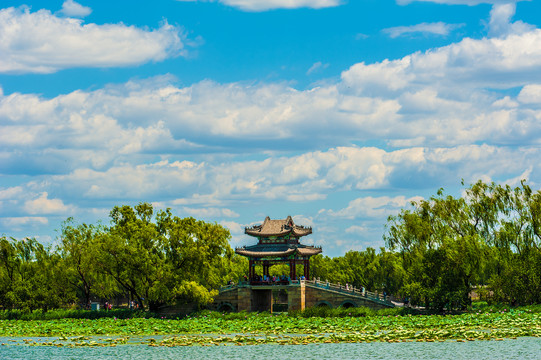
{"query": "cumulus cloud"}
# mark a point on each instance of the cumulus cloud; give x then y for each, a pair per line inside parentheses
(264, 5)
(44, 205)
(40, 42)
(500, 21)
(204, 185)
(438, 28)
(530, 94)
(72, 8)
(437, 98)
(499, 62)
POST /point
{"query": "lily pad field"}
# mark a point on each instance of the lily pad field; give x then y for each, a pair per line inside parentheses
(210, 328)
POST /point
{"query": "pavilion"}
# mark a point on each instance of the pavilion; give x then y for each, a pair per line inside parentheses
(278, 242)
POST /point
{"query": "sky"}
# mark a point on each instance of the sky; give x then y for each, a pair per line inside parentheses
(336, 112)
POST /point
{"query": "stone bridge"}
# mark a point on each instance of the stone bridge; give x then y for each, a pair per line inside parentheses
(297, 295)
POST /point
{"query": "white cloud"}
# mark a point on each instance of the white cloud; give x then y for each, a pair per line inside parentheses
(238, 238)
(303, 220)
(515, 181)
(15, 222)
(10, 193)
(212, 187)
(72, 8)
(499, 25)
(264, 5)
(356, 229)
(361, 36)
(499, 62)
(459, 2)
(435, 98)
(208, 213)
(44, 205)
(40, 42)
(234, 227)
(373, 207)
(318, 66)
(500, 21)
(530, 94)
(23, 223)
(438, 28)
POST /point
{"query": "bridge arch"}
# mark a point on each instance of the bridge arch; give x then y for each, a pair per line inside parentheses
(348, 304)
(324, 304)
(226, 307)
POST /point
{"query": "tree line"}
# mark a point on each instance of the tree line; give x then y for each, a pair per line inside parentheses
(437, 252)
(441, 249)
(152, 259)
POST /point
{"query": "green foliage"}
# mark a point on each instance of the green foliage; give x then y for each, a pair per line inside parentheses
(491, 236)
(74, 314)
(79, 251)
(326, 312)
(31, 276)
(153, 259)
(381, 271)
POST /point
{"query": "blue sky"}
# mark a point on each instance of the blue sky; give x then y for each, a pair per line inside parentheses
(338, 113)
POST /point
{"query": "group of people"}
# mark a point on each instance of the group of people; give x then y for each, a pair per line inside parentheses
(134, 305)
(270, 279)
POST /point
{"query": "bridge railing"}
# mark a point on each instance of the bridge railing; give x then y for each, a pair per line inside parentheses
(345, 289)
(350, 289)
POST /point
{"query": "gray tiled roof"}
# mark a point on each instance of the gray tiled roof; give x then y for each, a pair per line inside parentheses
(277, 228)
(281, 250)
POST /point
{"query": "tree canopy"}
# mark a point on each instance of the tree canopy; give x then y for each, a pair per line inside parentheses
(152, 258)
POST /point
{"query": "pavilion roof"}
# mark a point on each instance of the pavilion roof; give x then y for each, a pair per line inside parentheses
(278, 250)
(277, 228)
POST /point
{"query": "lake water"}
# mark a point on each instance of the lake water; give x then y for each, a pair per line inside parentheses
(521, 348)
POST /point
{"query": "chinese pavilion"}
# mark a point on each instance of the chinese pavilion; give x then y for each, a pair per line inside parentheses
(278, 242)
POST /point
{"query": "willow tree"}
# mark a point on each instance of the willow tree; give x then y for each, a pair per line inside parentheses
(160, 258)
(450, 244)
(31, 276)
(79, 248)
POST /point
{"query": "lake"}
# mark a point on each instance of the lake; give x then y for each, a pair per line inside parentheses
(521, 348)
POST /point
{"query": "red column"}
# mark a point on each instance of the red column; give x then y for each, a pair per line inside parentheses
(266, 267)
(307, 269)
(292, 269)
